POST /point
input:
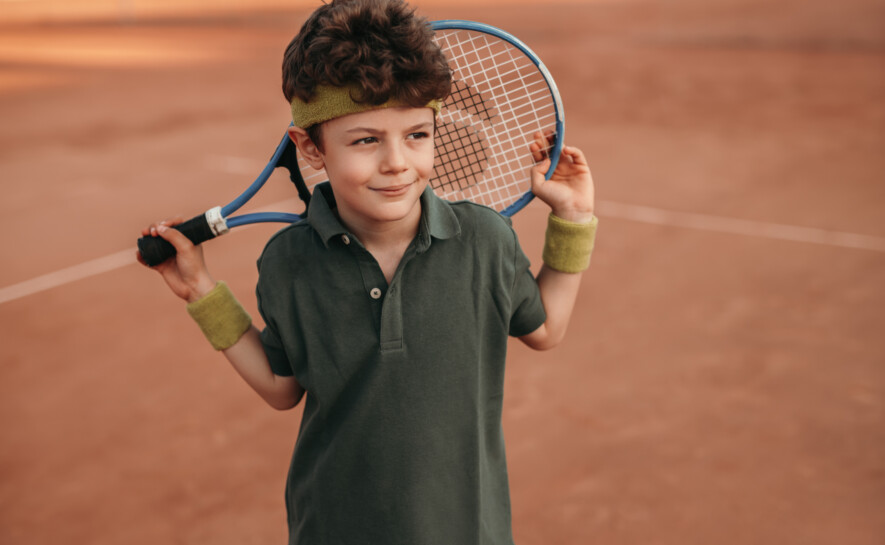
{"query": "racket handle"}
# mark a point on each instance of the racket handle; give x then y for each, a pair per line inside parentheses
(199, 229)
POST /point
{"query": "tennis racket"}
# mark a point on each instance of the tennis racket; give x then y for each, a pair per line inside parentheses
(502, 95)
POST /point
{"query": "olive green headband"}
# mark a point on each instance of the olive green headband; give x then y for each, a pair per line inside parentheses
(330, 102)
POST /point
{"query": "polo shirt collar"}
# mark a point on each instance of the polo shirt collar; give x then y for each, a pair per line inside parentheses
(437, 219)
(320, 213)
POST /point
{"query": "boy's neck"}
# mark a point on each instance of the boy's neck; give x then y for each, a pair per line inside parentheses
(387, 241)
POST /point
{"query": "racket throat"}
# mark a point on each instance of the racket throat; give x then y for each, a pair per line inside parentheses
(216, 221)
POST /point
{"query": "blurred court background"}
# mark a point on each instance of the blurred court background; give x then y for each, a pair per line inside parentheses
(724, 376)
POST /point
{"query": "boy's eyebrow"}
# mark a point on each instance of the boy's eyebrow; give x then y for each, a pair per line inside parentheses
(370, 130)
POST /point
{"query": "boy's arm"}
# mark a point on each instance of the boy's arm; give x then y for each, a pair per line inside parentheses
(570, 195)
(558, 293)
(249, 359)
(188, 277)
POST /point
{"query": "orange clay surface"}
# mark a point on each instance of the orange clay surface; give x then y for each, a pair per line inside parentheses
(723, 381)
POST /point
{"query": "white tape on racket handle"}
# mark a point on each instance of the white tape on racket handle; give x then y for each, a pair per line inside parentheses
(216, 221)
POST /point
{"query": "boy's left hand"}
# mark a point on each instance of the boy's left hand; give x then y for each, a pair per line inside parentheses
(569, 191)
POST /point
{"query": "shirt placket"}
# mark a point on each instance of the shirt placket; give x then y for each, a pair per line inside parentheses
(386, 299)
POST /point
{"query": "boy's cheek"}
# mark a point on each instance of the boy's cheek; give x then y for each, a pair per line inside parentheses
(429, 160)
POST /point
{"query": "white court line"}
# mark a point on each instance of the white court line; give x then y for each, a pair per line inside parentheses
(607, 209)
(758, 229)
(67, 275)
(96, 266)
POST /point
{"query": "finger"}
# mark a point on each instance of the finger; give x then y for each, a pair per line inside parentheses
(175, 238)
(535, 148)
(151, 230)
(538, 147)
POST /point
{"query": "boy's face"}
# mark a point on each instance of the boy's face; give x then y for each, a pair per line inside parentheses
(379, 163)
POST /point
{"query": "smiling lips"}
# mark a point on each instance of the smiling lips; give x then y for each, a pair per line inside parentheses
(394, 190)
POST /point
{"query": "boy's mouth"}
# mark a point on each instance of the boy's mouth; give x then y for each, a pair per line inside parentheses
(393, 190)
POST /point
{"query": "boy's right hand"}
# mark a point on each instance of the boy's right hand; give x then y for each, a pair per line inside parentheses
(186, 273)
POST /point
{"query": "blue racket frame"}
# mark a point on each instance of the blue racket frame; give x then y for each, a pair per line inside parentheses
(260, 217)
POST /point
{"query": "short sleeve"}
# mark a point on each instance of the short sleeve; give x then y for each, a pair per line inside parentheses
(528, 309)
(276, 356)
(270, 337)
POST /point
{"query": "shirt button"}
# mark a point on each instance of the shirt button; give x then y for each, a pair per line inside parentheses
(345, 239)
(375, 293)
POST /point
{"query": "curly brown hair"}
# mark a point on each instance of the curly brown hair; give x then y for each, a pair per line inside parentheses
(380, 45)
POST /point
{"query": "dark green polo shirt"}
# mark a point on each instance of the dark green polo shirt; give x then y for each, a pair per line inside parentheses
(401, 439)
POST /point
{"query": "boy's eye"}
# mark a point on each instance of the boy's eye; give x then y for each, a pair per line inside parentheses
(418, 135)
(366, 140)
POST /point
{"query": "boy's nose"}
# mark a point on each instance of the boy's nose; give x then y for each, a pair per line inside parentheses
(394, 159)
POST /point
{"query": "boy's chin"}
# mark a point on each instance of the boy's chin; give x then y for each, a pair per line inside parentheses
(397, 210)
(398, 206)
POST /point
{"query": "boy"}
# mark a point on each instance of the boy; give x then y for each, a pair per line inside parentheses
(389, 307)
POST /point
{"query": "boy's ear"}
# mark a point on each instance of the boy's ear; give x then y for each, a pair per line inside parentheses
(305, 145)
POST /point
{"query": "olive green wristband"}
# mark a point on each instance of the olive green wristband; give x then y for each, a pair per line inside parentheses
(568, 245)
(220, 316)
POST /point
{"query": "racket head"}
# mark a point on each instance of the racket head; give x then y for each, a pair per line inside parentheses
(502, 95)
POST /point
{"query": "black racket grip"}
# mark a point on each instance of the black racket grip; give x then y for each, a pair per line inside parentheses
(155, 250)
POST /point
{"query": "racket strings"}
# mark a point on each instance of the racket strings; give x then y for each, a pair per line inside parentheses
(504, 77)
(464, 97)
(462, 157)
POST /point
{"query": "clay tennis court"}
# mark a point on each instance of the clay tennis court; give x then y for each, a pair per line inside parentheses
(724, 376)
